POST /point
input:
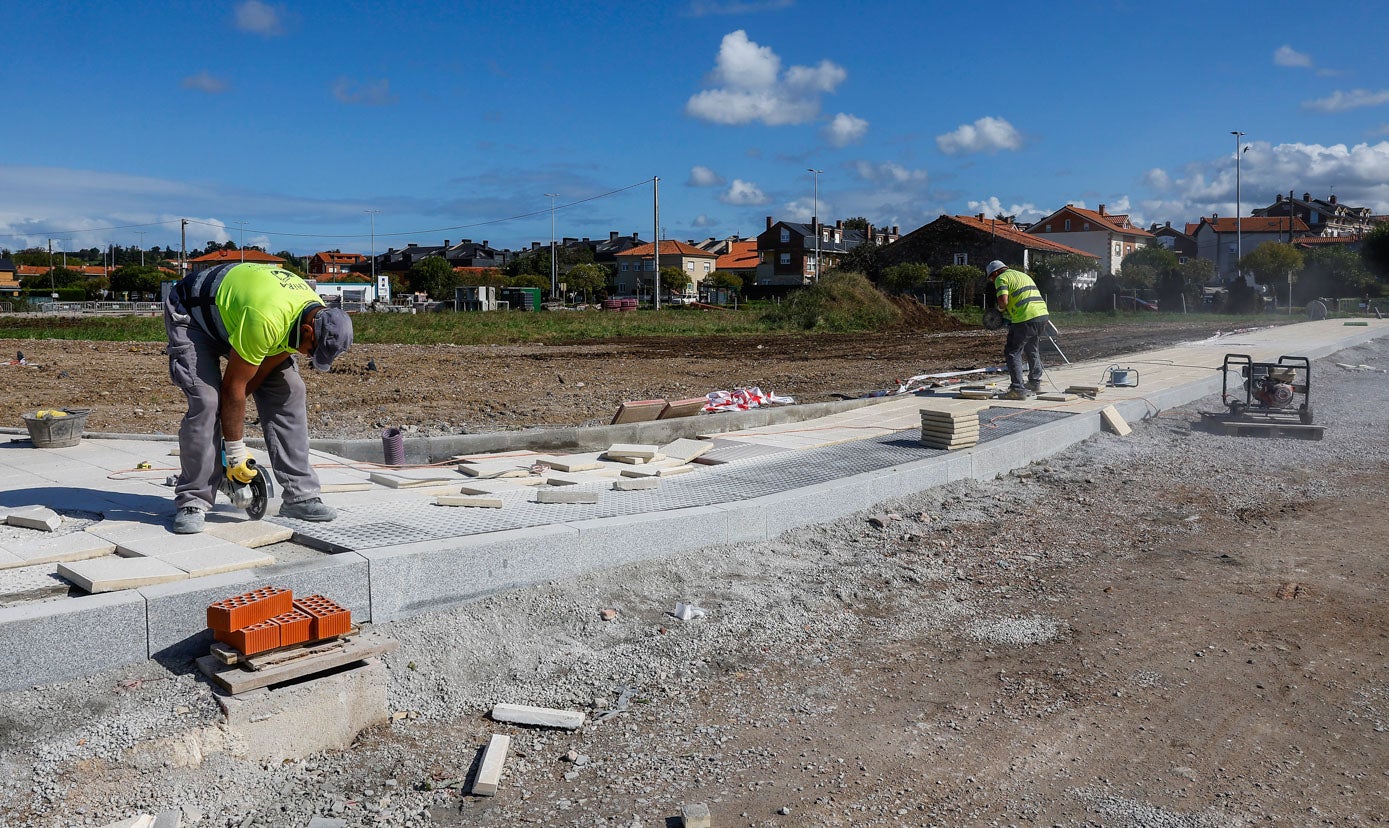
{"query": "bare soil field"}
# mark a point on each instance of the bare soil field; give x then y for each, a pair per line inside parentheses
(1174, 629)
(443, 389)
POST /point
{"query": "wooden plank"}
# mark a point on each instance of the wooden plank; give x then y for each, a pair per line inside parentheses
(236, 680)
(489, 774)
(1115, 421)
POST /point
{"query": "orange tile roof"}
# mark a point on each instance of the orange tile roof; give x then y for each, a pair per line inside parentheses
(741, 255)
(1008, 231)
(1114, 223)
(1254, 224)
(1321, 241)
(38, 270)
(238, 256)
(669, 247)
(335, 256)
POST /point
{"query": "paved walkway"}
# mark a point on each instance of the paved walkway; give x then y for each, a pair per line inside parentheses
(111, 585)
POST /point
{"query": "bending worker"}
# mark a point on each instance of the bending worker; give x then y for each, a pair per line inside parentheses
(258, 316)
(1017, 298)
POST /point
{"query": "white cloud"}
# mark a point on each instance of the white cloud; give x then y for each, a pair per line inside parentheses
(259, 18)
(1339, 101)
(1286, 55)
(984, 135)
(204, 82)
(702, 221)
(376, 93)
(889, 171)
(1157, 179)
(744, 194)
(845, 129)
(1359, 174)
(701, 176)
(802, 209)
(992, 207)
(750, 86)
(703, 8)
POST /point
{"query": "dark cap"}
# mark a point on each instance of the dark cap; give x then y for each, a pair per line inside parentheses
(332, 330)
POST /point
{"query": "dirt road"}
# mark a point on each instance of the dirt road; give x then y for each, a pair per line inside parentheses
(1173, 628)
(456, 389)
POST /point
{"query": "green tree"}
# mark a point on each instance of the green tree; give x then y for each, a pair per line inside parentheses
(1332, 271)
(534, 280)
(674, 280)
(906, 277)
(293, 263)
(434, 276)
(858, 223)
(32, 256)
(965, 282)
(1374, 252)
(865, 258)
(61, 277)
(1147, 266)
(1271, 262)
(133, 278)
(725, 279)
(586, 278)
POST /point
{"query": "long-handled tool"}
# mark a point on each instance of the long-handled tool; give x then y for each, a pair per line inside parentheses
(247, 486)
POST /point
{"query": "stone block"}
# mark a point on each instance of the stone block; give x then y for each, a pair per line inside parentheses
(538, 716)
(81, 636)
(619, 451)
(413, 578)
(36, 517)
(73, 546)
(635, 484)
(564, 496)
(112, 573)
(489, 774)
(214, 560)
(251, 534)
(291, 722)
(469, 500)
(695, 815)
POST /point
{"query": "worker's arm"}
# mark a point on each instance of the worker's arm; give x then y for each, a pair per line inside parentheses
(1001, 300)
(240, 380)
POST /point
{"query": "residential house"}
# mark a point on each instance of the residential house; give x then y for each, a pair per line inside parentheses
(330, 264)
(787, 249)
(639, 264)
(741, 259)
(604, 252)
(223, 256)
(976, 240)
(1107, 236)
(1351, 243)
(1183, 245)
(1224, 240)
(350, 288)
(9, 278)
(1323, 217)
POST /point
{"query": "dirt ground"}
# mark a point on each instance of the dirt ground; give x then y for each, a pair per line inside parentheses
(456, 389)
(1174, 629)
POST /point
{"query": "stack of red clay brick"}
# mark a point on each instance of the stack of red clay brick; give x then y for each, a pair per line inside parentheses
(271, 617)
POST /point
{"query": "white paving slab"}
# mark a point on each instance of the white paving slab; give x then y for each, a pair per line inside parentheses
(113, 573)
(212, 560)
(72, 546)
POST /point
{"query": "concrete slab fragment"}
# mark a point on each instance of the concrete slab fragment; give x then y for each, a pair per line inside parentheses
(469, 500)
(489, 774)
(35, 517)
(686, 450)
(73, 546)
(1114, 421)
(635, 484)
(575, 462)
(113, 573)
(499, 486)
(538, 716)
(564, 496)
(213, 560)
(490, 469)
(636, 450)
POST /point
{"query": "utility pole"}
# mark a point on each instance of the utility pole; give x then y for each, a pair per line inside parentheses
(656, 229)
(554, 272)
(383, 286)
(141, 234)
(183, 249)
(1239, 252)
(51, 285)
(815, 220)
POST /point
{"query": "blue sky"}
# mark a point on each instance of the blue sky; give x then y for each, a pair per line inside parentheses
(292, 119)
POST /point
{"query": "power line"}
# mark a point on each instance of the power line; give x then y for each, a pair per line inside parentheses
(56, 233)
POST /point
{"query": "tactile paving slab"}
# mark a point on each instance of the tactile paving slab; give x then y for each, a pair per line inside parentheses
(373, 527)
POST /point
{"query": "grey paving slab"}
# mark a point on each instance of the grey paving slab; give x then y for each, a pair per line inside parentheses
(40, 518)
(57, 640)
(74, 546)
(124, 531)
(112, 573)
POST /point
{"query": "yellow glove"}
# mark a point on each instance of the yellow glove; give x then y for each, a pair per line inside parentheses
(243, 472)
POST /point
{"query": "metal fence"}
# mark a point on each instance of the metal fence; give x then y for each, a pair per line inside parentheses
(100, 307)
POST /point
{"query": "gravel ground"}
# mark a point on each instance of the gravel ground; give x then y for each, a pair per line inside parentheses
(1170, 629)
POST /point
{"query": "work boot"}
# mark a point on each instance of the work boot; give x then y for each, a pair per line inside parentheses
(188, 521)
(1035, 386)
(1017, 394)
(313, 509)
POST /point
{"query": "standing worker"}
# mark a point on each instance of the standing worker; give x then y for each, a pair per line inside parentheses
(1017, 298)
(257, 316)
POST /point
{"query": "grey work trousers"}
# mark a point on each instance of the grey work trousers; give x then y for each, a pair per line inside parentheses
(1023, 351)
(195, 367)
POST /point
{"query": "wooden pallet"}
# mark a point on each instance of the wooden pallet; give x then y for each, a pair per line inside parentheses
(308, 662)
(228, 654)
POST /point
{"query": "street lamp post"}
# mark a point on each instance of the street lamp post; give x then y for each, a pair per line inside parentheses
(141, 234)
(1238, 207)
(815, 219)
(383, 288)
(554, 273)
(242, 225)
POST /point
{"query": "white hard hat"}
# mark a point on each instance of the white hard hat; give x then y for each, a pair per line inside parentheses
(994, 267)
